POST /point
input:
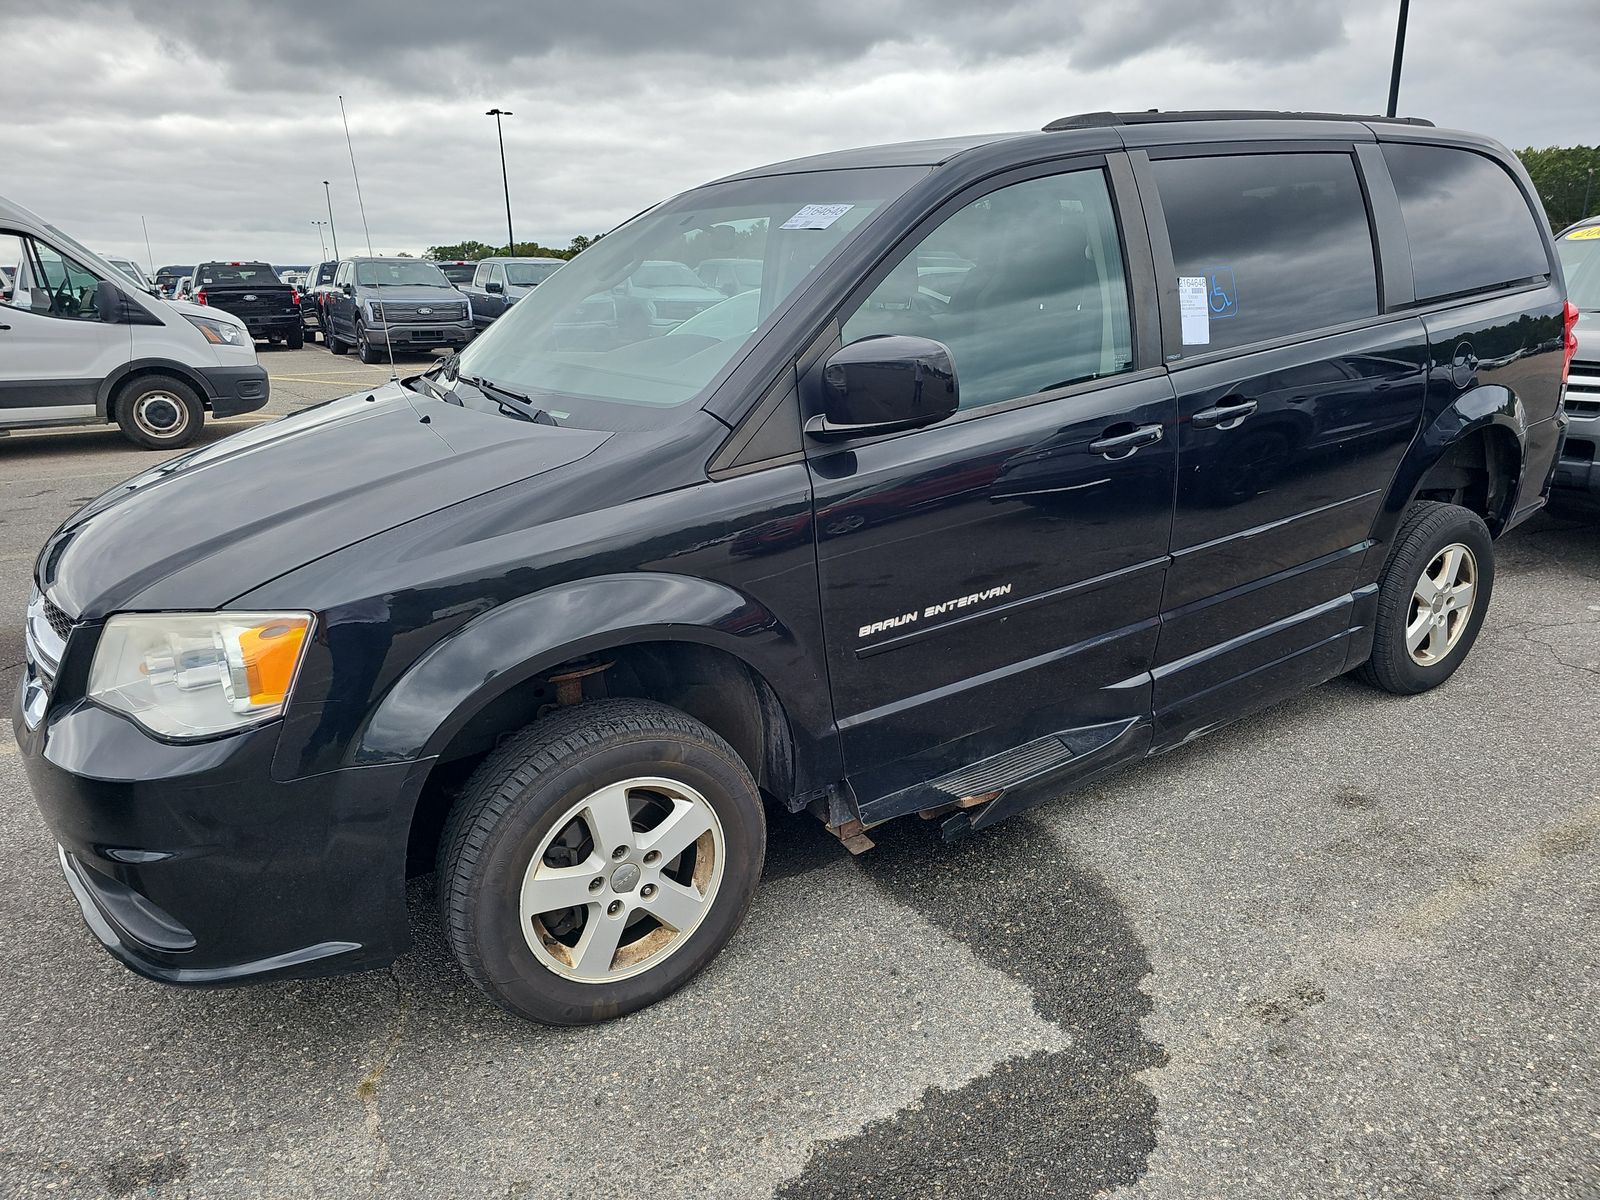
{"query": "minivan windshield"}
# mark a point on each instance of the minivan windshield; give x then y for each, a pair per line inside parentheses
(1580, 263)
(590, 344)
(400, 272)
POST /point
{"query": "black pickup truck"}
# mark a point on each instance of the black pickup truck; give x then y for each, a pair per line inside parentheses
(252, 291)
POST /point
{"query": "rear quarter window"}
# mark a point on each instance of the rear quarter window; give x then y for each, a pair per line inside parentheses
(1469, 225)
(1281, 241)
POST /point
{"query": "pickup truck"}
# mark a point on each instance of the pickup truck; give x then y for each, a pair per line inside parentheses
(403, 304)
(252, 292)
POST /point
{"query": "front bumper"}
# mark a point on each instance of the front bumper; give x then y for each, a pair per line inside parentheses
(454, 334)
(193, 865)
(231, 391)
(1578, 468)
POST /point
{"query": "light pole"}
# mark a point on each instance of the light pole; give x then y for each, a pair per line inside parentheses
(332, 228)
(497, 113)
(1588, 183)
(1399, 53)
(320, 238)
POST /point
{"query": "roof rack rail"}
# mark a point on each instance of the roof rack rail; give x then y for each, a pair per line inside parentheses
(1155, 116)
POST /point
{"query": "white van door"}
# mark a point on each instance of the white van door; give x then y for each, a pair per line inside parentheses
(55, 351)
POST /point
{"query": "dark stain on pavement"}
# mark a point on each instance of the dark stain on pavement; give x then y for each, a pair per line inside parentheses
(1280, 1010)
(134, 1171)
(1067, 1123)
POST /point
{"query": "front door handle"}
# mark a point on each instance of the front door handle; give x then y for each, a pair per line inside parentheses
(1226, 415)
(1120, 445)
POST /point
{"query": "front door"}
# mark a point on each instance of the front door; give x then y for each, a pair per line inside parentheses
(1296, 401)
(996, 578)
(55, 347)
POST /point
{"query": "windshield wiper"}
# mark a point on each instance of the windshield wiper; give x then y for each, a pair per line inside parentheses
(519, 405)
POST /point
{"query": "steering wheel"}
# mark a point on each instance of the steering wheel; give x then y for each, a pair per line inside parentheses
(65, 301)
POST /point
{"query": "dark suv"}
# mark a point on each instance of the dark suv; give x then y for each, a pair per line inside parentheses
(1029, 456)
(404, 301)
(1578, 473)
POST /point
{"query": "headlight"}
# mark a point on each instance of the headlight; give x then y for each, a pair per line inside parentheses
(219, 333)
(196, 674)
(374, 311)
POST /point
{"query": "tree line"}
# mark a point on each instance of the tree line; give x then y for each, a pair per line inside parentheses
(472, 250)
(1566, 179)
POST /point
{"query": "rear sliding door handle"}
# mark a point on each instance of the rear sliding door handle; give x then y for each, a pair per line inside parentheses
(1120, 445)
(1225, 415)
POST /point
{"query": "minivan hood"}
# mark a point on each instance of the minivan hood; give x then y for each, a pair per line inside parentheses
(207, 526)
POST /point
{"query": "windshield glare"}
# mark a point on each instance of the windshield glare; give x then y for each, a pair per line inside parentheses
(400, 273)
(591, 342)
(1580, 263)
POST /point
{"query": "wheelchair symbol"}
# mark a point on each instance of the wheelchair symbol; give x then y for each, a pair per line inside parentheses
(1223, 296)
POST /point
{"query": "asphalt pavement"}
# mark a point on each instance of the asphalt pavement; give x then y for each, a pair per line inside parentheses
(1348, 947)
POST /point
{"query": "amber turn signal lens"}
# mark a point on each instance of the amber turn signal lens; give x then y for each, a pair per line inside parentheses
(270, 654)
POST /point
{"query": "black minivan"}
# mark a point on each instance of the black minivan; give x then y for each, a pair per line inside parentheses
(1030, 455)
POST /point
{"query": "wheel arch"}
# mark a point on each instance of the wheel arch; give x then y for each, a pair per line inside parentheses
(112, 385)
(1471, 453)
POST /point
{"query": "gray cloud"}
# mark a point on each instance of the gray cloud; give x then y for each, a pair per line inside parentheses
(219, 120)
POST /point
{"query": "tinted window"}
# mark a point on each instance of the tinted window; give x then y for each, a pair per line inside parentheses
(1025, 286)
(1468, 224)
(1271, 244)
(247, 273)
(457, 272)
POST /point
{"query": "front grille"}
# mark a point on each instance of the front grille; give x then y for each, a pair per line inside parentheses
(394, 312)
(679, 310)
(58, 621)
(1579, 407)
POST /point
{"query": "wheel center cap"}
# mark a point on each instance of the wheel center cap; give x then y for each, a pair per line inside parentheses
(625, 878)
(1438, 604)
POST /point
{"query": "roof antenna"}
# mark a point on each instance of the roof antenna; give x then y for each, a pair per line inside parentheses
(388, 342)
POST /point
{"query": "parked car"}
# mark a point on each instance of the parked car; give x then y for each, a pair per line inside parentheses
(319, 283)
(457, 270)
(82, 343)
(730, 276)
(672, 291)
(1577, 478)
(131, 269)
(252, 291)
(498, 283)
(168, 278)
(404, 301)
(556, 624)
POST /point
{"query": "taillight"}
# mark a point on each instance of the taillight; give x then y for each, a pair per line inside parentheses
(294, 297)
(1569, 337)
(200, 296)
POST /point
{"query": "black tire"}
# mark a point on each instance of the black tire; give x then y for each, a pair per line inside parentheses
(369, 353)
(514, 802)
(159, 412)
(335, 346)
(1425, 532)
(296, 339)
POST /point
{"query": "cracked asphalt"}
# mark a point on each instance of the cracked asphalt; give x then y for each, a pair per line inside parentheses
(1348, 947)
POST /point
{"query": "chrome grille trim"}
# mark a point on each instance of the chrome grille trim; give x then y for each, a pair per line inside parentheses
(43, 644)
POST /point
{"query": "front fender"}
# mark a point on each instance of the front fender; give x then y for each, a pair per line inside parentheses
(519, 640)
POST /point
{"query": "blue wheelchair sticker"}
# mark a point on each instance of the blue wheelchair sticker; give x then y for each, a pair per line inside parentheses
(1222, 293)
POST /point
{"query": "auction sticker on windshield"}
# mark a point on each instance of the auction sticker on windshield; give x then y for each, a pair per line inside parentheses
(1577, 235)
(817, 216)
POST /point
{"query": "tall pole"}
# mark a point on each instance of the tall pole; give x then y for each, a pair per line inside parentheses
(1399, 53)
(1589, 183)
(332, 228)
(320, 238)
(151, 258)
(497, 113)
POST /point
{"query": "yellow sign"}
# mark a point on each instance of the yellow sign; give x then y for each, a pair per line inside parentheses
(1586, 234)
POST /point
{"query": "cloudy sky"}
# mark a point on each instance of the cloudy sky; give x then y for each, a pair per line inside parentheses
(219, 120)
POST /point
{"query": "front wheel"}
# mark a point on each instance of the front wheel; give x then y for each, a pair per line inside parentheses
(1432, 598)
(598, 860)
(159, 412)
(364, 347)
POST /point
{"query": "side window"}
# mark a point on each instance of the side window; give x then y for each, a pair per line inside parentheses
(1025, 285)
(480, 276)
(1267, 245)
(49, 283)
(10, 265)
(342, 275)
(498, 275)
(1469, 226)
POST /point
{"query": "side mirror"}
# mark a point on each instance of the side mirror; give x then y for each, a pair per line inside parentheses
(881, 384)
(349, 289)
(110, 303)
(494, 288)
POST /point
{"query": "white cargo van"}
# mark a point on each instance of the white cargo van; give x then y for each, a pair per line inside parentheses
(81, 342)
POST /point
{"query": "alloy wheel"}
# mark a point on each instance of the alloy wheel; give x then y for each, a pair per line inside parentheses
(1441, 605)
